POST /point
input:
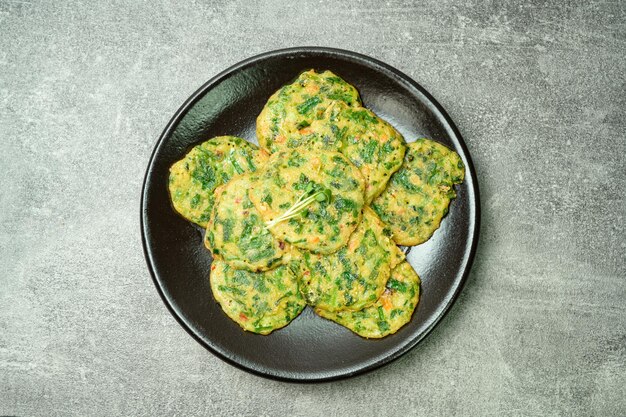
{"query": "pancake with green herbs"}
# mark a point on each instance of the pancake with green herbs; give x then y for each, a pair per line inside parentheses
(389, 313)
(285, 119)
(418, 195)
(193, 179)
(310, 198)
(322, 110)
(260, 302)
(236, 233)
(354, 277)
(369, 142)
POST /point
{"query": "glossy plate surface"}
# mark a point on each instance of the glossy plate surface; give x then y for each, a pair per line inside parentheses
(310, 348)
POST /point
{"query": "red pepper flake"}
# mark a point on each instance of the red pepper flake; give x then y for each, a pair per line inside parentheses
(306, 273)
(213, 267)
(237, 200)
(281, 244)
(243, 317)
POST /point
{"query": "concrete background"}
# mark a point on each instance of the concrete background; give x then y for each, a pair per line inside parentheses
(538, 91)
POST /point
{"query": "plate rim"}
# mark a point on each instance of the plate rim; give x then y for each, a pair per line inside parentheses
(449, 301)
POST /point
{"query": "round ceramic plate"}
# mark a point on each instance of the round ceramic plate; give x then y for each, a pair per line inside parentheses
(310, 348)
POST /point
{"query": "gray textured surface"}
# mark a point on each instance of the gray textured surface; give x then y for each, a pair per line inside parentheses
(538, 91)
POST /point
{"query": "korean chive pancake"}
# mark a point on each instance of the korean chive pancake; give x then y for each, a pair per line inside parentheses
(236, 233)
(193, 179)
(418, 195)
(369, 142)
(391, 311)
(260, 302)
(289, 177)
(295, 106)
(354, 277)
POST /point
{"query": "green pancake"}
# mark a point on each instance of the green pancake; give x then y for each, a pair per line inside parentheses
(289, 177)
(418, 195)
(193, 179)
(369, 142)
(236, 233)
(391, 311)
(293, 108)
(354, 277)
(260, 302)
(312, 112)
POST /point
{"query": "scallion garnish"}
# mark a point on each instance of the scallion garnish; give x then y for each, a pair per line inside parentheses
(308, 197)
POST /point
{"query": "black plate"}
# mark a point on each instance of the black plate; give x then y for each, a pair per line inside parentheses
(310, 348)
